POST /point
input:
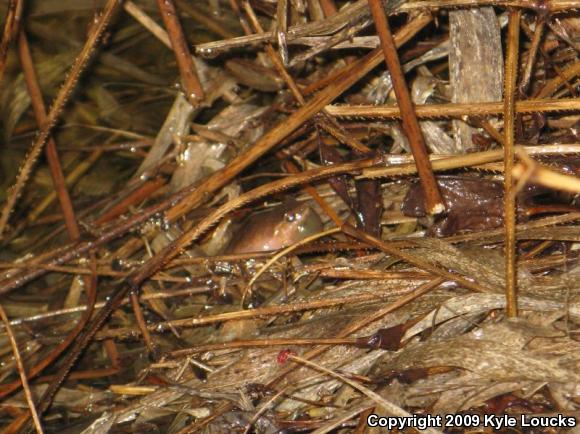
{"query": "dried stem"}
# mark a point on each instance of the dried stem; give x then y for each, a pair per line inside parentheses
(191, 84)
(142, 324)
(11, 22)
(251, 313)
(207, 22)
(454, 110)
(509, 133)
(51, 151)
(147, 22)
(532, 53)
(433, 200)
(555, 83)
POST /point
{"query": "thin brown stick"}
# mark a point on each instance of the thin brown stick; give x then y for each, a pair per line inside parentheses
(454, 110)
(433, 200)
(146, 21)
(284, 309)
(263, 408)
(509, 132)
(59, 185)
(243, 22)
(532, 53)
(51, 151)
(11, 22)
(55, 111)
(99, 305)
(142, 324)
(72, 177)
(191, 84)
(207, 22)
(251, 313)
(77, 375)
(21, 371)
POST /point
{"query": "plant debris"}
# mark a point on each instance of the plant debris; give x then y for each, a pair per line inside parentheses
(263, 216)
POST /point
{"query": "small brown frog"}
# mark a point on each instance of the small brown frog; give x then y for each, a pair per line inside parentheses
(472, 204)
(277, 228)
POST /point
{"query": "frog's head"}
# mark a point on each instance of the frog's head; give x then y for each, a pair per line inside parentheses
(280, 227)
(298, 222)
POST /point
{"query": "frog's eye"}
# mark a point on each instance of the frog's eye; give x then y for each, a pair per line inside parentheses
(291, 216)
(294, 216)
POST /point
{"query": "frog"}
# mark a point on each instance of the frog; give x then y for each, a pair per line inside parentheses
(279, 227)
(473, 204)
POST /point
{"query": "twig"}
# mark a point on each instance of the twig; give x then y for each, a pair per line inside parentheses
(147, 22)
(21, 371)
(11, 22)
(51, 151)
(55, 170)
(532, 52)
(73, 176)
(250, 343)
(509, 132)
(433, 200)
(134, 298)
(191, 84)
(207, 22)
(454, 110)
